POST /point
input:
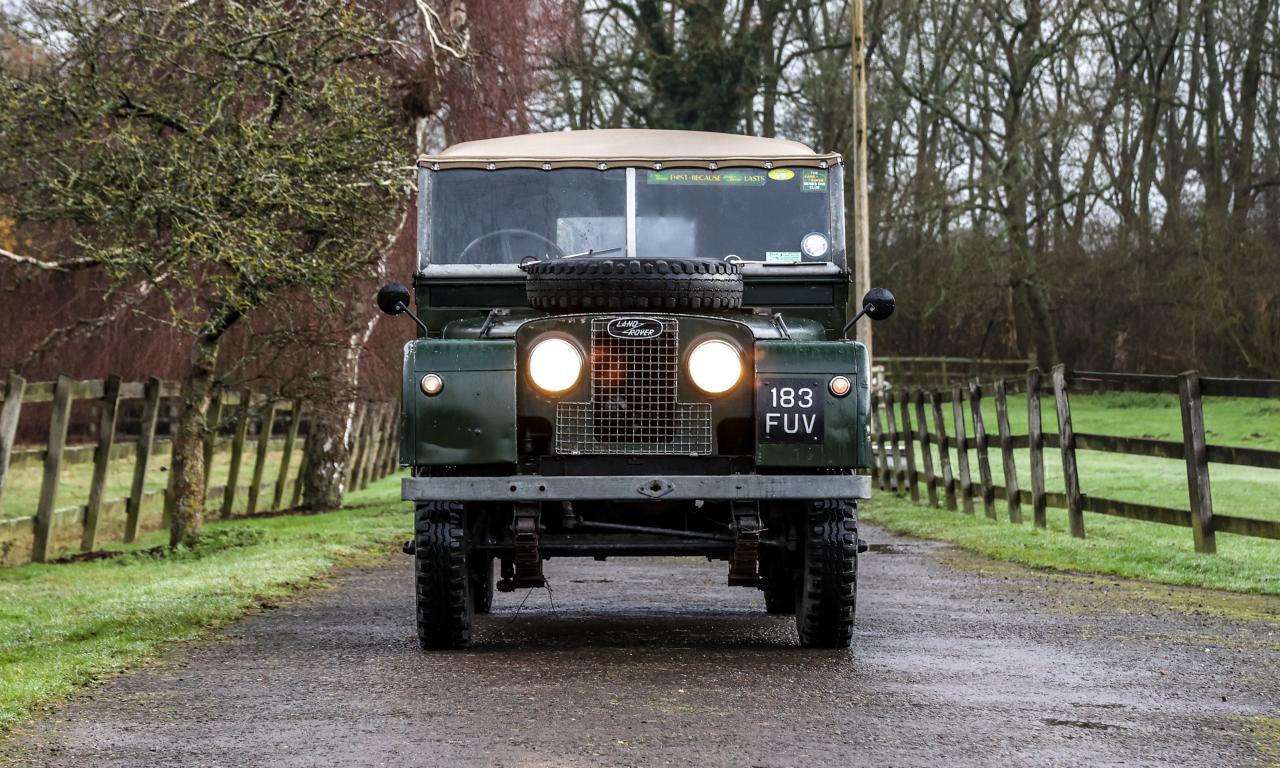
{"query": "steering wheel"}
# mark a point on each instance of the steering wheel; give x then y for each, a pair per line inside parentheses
(508, 233)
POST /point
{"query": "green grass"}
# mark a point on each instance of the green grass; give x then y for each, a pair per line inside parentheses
(22, 486)
(1113, 546)
(1116, 546)
(63, 626)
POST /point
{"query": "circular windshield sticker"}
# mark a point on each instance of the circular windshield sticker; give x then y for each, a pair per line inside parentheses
(782, 174)
(814, 245)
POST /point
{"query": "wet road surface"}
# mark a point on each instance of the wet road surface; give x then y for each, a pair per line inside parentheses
(956, 661)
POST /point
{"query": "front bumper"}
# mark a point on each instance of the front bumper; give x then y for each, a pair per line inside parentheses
(636, 488)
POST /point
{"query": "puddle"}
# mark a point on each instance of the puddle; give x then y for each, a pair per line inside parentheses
(1087, 724)
(890, 549)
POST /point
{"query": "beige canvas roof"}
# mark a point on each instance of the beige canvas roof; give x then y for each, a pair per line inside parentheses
(627, 147)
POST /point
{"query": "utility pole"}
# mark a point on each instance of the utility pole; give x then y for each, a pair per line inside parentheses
(861, 250)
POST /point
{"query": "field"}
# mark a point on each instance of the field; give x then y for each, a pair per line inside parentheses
(1116, 546)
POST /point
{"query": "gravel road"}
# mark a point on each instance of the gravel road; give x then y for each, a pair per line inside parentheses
(957, 661)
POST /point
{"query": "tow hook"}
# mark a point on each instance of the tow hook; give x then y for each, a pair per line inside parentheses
(862, 546)
(411, 546)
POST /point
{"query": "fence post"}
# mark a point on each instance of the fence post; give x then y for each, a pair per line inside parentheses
(1067, 440)
(926, 450)
(291, 437)
(980, 442)
(237, 453)
(212, 420)
(369, 473)
(896, 482)
(909, 438)
(384, 442)
(101, 461)
(1006, 454)
(962, 451)
(877, 436)
(298, 483)
(1035, 441)
(1193, 443)
(9, 415)
(372, 423)
(385, 466)
(944, 450)
(260, 461)
(146, 439)
(393, 450)
(52, 467)
(357, 444)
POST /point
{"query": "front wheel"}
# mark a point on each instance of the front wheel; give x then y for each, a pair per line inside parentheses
(778, 581)
(827, 590)
(441, 581)
(481, 567)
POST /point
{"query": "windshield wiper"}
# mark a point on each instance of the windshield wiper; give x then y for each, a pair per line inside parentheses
(593, 252)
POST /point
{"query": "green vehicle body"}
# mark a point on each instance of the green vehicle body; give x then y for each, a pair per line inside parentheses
(532, 483)
(475, 418)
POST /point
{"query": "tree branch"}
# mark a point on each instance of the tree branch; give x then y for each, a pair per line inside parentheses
(82, 262)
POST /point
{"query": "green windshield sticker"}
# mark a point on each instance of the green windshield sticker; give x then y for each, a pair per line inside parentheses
(747, 178)
(813, 181)
(782, 257)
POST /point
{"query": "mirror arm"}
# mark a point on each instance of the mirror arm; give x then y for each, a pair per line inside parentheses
(844, 332)
(400, 306)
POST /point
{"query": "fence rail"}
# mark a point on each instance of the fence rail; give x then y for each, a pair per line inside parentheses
(52, 529)
(896, 436)
(934, 372)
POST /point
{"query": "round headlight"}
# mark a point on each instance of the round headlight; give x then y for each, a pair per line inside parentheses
(554, 365)
(715, 366)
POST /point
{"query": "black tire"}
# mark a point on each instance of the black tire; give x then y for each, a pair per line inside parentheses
(587, 283)
(827, 590)
(778, 581)
(481, 572)
(442, 584)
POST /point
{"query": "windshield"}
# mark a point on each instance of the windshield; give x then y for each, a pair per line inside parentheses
(776, 216)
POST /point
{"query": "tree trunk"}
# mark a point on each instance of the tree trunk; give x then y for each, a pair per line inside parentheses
(324, 480)
(187, 464)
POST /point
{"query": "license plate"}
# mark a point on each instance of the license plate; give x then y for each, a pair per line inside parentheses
(789, 410)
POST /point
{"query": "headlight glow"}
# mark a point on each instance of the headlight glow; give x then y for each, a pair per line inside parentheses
(431, 384)
(715, 366)
(554, 365)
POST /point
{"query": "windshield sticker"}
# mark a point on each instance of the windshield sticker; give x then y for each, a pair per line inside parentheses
(782, 174)
(782, 257)
(814, 245)
(813, 181)
(708, 178)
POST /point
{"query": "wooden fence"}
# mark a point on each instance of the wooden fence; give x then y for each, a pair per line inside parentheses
(51, 529)
(895, 435)
(934, 372)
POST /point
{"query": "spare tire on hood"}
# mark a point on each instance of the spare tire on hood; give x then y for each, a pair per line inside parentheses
(587, 283)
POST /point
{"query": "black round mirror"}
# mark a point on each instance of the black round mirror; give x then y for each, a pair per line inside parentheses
(393, 298)
(878, 303)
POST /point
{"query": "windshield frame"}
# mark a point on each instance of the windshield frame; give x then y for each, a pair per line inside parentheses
(835, 214)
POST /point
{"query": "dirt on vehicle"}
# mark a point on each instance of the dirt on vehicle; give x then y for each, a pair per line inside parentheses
(956, 661)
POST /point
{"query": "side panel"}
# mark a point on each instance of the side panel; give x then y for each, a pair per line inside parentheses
(473, 418)
(845, 440)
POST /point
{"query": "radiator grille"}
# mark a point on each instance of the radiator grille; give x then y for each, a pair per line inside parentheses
(633, 408)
